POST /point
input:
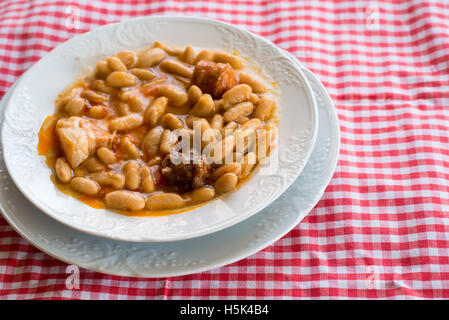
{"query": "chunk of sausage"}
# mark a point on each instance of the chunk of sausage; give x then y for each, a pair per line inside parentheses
(187, 172)
(214, 78)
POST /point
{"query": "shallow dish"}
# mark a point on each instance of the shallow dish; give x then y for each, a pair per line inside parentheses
(33, 100)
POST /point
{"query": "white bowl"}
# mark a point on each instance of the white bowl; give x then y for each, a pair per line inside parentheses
(33, 100)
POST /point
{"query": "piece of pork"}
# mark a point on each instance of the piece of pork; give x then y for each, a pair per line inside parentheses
(79, 138)
(186, 171)
(214, 78)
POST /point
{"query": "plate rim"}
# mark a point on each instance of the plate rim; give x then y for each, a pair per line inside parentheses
(204, 231)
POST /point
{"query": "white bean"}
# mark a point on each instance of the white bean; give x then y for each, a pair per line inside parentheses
(222, 149)
(122, 108)
(242, 119)
(204, 55)
(248, 163)
(164, 201)
(226, 182)
(253, 81)
(94, 165)
(136, 104)
(129, 148)
(132, 174)
(254, 98)
(115, 64)
(229, 128)
(176, 96)
(119, 79)
(265, 108)
(102, 69)
(176, 67)
(236, 94)
(171, 50)
(152, 140)
(127, 122)
(129, 58)
(80, 171)
(63, 170)
(204, 106)
(202, 194)
(188, 56)
(75, 106)
(107, 156)
(101, 86)
(151, 57)
(172, 122)
(147, 180)
(125, 200)
(109, 178)
(217, 122)
(252, 124)
(155, 110)
(225, 168)
(143, 74)
(194, 94)
(93, 96)
(240, 109)
(97, 112)
(224, 57)
(168, 141)
(84, 185)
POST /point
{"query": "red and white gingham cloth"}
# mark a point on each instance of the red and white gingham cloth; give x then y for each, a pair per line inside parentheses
(383, 220)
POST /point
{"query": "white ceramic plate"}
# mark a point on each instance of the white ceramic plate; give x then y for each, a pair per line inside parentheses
(188, 256)
(33, 100)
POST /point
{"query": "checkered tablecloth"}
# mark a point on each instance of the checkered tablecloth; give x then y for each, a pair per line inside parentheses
(381, 229)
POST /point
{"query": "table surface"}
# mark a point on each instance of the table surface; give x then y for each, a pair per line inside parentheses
(381, 229)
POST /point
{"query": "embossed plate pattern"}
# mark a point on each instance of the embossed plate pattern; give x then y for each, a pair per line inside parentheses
(32, 101)
(188, 256)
